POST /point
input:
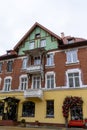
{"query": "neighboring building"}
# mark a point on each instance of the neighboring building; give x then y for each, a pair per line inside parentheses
(38, 74)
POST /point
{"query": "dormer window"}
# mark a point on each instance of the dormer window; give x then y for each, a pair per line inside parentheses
(37, 35)
(70, 41)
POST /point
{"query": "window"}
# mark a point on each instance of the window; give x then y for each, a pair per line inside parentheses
(72, 56)
(76, 113)
(50, 81)
(43, 43)
(31, 45)
(50, 59)
(37, 60)
(70, 41)
(28, 109)
(7, 84)
(74, 78)
(23, 82)
(24, 64)
(36, 82)
(37, 35)
(0, 67)
(50, 108)
(1, 108)
(9, 66)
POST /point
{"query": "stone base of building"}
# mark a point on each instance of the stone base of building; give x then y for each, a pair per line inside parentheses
(8, 123)
(41, 124)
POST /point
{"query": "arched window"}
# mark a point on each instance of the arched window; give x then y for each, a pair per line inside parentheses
(28, 109)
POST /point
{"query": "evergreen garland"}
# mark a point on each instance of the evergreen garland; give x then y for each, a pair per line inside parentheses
(70, 102)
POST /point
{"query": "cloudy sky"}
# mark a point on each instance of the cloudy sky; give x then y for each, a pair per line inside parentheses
(17, 17)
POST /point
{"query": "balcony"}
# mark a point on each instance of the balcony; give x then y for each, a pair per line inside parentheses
(33, 93)
(34, 69)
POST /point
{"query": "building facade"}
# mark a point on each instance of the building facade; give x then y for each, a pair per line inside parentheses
(39, 73)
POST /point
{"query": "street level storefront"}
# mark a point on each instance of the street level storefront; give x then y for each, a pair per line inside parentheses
(44, 111)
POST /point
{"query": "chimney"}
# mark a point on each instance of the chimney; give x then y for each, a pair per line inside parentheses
(62, 35)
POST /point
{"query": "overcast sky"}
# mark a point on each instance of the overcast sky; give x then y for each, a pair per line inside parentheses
(18, 16)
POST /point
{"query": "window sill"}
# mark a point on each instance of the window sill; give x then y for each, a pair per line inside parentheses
(49, 116)
(49, 66)
(72, 63)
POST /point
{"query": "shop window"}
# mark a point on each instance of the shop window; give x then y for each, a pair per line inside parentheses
(76, 113)
(28, 109)
(50, 108)
(1, 108)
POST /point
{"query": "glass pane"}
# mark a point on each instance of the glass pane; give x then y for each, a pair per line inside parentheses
(48, 84)
(69, 57)
(74, 56)
(43, 43)
(76, 74)
(50, 108)
(71, 82)
(77, 84)
(70, 74)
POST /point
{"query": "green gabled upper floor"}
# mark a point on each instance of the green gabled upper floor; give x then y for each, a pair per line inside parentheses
(37, 37)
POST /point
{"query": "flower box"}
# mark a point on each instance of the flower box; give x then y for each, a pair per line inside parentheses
(76, 123)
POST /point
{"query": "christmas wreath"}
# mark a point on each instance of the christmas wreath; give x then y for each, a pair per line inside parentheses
(70, 102)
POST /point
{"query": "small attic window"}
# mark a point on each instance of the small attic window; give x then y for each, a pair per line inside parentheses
(37, 35)
(70, 41)
(53, 38)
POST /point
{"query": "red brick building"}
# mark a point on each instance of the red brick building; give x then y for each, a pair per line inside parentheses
(40, 70)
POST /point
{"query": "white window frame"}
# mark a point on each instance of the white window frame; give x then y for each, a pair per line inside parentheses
(20, 87)
(50, 60)
(43, 42)
(73, 71)
(31, 45)
(37, 61)
(36, 87)
(8, 84)
(48, 74)
(24, 63)
(72, 56)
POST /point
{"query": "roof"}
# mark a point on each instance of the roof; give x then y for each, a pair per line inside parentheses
(31, 29)
(73, 45)
(75, 39)
(10, 54)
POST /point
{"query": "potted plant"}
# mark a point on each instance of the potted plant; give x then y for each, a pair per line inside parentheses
(23, 123)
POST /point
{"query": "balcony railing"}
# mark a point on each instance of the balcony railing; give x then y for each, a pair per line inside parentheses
(34, 69)
(33, 93)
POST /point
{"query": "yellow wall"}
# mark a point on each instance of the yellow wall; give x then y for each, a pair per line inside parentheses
(40, 105)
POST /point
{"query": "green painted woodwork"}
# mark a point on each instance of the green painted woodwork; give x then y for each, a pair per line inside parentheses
(51, 42)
